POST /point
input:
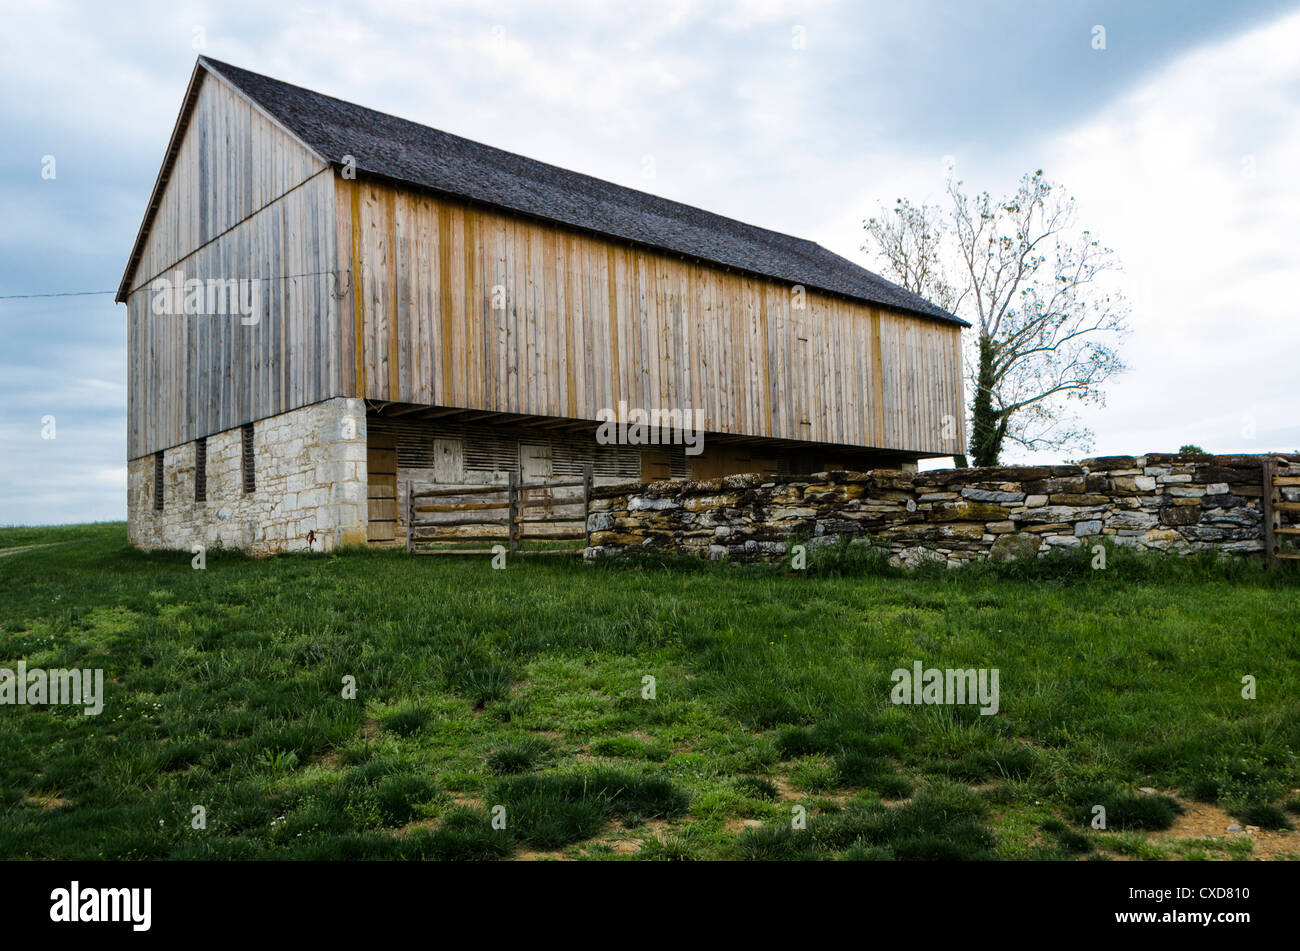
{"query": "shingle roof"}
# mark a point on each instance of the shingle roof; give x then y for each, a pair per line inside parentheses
(408, 152)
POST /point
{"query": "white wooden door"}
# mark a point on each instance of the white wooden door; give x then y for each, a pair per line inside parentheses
(449, 461)
(535, 466)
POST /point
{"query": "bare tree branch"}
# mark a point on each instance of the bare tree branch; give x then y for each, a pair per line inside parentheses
(1033, 285)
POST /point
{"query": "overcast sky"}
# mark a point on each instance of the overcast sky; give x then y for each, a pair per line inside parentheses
(1181, 141)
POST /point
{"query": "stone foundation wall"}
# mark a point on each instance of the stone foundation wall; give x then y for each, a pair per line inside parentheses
(310, 466)
(1161, 501)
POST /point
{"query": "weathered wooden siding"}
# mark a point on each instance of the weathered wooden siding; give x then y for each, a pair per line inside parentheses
(244, 200)
(445, 304)
(464, 307)
(231, 162)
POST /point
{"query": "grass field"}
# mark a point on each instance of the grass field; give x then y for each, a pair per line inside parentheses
(524, 689)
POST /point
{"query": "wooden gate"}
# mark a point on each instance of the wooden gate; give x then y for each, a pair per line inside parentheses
(538, 517)
(1281, 504)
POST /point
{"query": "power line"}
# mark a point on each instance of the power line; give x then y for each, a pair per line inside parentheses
(281, 277)
(59, 294)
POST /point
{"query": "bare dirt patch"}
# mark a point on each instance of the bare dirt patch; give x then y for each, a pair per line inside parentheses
(1203, 820)
(534, 855)
(784, 791)
(629, 841)
(45, 802)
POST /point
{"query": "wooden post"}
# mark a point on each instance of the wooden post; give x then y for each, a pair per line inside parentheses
(1266, 504)
(410, 517)
(586, 498)
(512, 516)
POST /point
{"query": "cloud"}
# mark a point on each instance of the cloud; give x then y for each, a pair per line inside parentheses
(1153, 135)
(1191, 178)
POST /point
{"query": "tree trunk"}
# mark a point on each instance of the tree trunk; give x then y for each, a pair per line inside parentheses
(987, 425)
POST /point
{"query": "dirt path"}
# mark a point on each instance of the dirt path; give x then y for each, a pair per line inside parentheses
(19, 551)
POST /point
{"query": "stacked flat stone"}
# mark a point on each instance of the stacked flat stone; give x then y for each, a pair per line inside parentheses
(1163, 501)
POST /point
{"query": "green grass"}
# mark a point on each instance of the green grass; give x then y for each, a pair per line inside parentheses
(514, 698)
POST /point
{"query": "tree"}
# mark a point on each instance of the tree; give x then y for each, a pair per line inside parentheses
(1032, 284)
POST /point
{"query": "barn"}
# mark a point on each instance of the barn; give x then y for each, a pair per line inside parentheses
(327, 304)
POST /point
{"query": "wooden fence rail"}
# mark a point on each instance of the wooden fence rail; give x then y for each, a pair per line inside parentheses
(499, 512)
(1281, 479)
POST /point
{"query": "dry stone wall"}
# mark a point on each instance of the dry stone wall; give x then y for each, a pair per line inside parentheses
(1160, 501)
